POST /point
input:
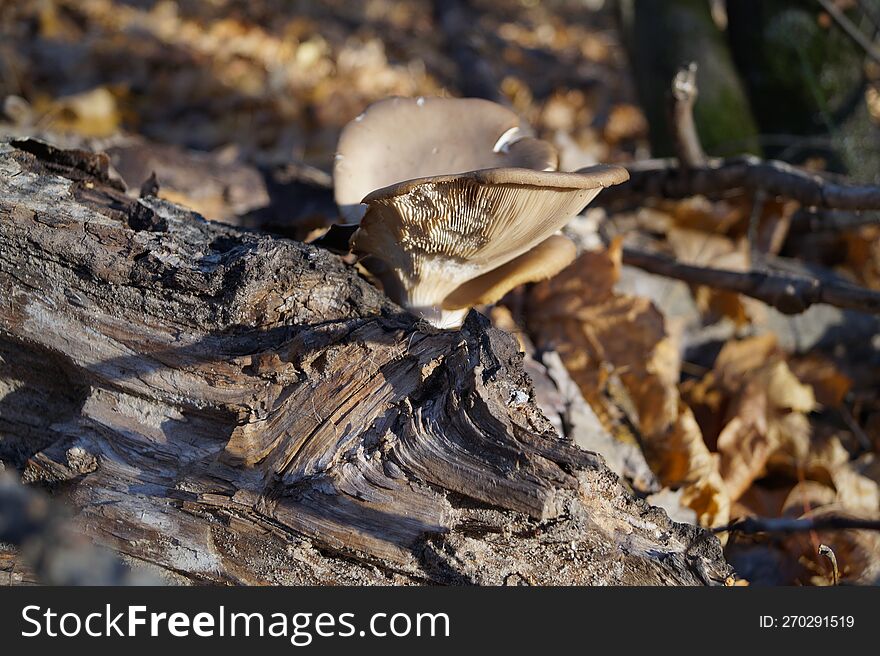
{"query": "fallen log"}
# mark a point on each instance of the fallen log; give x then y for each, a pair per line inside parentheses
(231, 407)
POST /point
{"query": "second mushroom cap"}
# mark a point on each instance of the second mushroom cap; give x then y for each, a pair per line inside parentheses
(400, 139)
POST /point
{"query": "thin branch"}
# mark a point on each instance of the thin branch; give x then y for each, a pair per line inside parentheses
(831, 220)
(828, 552)
(663, 179)
(755, 253)
(870, 13)
(684, 130)
(850, 28)
(752, 525)
(788, 293)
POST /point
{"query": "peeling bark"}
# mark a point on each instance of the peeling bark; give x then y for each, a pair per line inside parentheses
(232, 407)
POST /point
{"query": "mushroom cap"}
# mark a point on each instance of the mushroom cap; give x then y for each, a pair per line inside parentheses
(590, 178)
(437, 233)
(405, 138)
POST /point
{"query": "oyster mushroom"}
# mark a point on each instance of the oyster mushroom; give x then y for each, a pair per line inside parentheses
(443, 244)
(406, 138)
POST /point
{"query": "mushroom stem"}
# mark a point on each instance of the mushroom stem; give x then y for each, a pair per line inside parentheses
(440, 318)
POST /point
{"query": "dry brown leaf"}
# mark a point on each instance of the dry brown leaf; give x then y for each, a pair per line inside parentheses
(625, 122)
(211, 207)
(761, 501)
(732, 582)
(868, 465)
(762, 409)
(565, 111)
(855, 492)
(826, 454)
(805, 497)
(834, 484)
(706, 233)
(738, 358)
(702, 248)
(745, 444)
(731, 218)
(699, 213)
(825, 460)
(93, 113)
(619, 351)
(786, 392)
(716, 303)
(705, 249)
(829, 384)
(863, 254)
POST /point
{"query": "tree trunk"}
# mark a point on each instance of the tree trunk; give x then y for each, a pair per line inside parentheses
(806, 81)
(237, 408)
(661, 37)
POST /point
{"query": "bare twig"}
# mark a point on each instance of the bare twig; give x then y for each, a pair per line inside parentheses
(755, 253)
(692, 174)
(850, 28)
(831, 220)
(871, 14)
(684, 130)
(828, 552)
(788, 293)
(662, 179)
(752, 525)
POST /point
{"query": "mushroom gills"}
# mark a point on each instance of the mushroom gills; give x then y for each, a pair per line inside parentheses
(452, 242)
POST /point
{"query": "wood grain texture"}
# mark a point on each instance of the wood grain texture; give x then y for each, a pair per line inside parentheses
(236, 408)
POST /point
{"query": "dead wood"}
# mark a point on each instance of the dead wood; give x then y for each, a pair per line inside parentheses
(754, 525)
(684, 129)
(808, 221)
(237, 408)
(790, 293)
(719, 177)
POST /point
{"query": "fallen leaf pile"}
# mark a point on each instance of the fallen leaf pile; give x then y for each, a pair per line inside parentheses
(749, 437)
(622, 356)
(279, 80)
(752, 408)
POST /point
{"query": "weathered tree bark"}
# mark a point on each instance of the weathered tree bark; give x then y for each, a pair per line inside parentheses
(233, 407)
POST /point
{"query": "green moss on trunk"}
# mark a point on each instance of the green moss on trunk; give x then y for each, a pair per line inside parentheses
(662, 36)
(805, 78)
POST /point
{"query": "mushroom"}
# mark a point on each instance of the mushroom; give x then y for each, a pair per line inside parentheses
(400, 139)
(445, 243)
